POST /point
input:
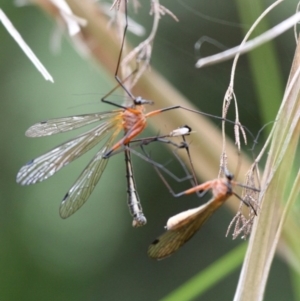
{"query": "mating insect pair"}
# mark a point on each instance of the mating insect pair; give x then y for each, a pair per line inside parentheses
(130, 119)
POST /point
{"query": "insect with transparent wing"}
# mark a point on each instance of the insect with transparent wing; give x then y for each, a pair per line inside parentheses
(183, 226)
(130, 119)
(113, 123)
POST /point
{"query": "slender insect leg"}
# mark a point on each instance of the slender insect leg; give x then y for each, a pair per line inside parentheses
(120, 83)
(197, 188)
(133, 199)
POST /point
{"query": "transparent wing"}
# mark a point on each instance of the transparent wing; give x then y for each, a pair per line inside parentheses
(173, 239)
(48, 164)
(64, 124)
(85, 184)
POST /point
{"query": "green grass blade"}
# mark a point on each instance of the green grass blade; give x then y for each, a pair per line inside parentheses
(209, 276)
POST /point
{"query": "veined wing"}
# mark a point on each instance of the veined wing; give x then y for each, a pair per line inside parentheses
(85, 184)
(48, 164)
(64, 124)
(184, 229)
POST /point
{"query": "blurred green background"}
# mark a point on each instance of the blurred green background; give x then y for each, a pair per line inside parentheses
(96, 254)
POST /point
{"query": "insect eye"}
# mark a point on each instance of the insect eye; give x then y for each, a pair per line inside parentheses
(139, 100)
(228, 175)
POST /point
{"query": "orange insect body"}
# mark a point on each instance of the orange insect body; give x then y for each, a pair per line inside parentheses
(183, 226)
(219, 187)
(133, 118)
(133, 121)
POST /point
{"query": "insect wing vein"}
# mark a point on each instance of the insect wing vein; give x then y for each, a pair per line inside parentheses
(173, 239)
(64, 124)
(85, 184)
(48, 164)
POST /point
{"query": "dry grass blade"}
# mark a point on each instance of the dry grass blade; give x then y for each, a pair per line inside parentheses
(276, 175)
(252, 44)
(22, 44)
